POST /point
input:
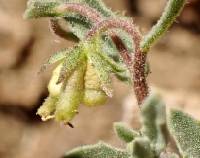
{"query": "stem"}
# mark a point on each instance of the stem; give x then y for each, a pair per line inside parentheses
(138, 65)
(172, 10)
(135, 64)
(82, 9)
(94, 17)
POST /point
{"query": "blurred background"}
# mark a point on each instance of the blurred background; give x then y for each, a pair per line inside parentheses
(25, 45)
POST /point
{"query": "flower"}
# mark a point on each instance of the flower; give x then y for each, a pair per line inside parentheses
(81, 77)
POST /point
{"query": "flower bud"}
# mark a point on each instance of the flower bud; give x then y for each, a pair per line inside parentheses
(93, 94)
(71, 97)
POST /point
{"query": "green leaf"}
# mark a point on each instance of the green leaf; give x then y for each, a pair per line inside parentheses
(100, 150)
(186, 132)
(41, 8)
(95, 45)
(124, 132)
(154, 122)
(96, 4)
(140, 148)
(78, 25)
(172, 10)
(112, 65)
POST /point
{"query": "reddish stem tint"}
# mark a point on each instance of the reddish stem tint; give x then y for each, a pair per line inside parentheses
(135, 62)
(81, 9)
(138, 58)
(94, 17)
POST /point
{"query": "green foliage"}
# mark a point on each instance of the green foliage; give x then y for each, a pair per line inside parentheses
(146, 143)
(79, 25)
(186, 132)
(124, 132)
(153, 116)
(140, 148)
(41, 8)
(152, 140)
(82, 76)
(100, 150)
(172, 10)
(96, 4)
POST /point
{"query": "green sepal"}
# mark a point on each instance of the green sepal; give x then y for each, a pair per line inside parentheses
(100, 150)
(72, 59)
(124, 132)
(153, 118)
(71, 96)
(186, 132)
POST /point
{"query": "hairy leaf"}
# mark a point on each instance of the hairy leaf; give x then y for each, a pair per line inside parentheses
(96, 4)
(186, 132)
(154, 122)
(172, 10)
(100, 150)
(140, 148)
(124, 132)
(41, 8)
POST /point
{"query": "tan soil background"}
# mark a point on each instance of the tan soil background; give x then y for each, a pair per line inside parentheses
(25, 45)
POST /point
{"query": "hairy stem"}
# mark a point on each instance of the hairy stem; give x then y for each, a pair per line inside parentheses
(172, 10)
(84, 10)
(135, 64)
(95, 17)
(139, 58)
